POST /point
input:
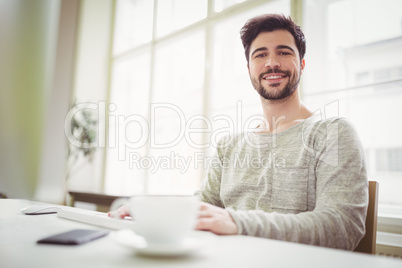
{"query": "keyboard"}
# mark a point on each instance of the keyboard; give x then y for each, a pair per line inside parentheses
(95, 218)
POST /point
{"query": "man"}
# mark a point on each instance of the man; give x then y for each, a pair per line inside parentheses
(297, 177)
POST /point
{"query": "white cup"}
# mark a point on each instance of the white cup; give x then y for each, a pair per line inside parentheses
(164, 219)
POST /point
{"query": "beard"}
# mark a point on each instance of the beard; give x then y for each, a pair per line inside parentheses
(287, 91)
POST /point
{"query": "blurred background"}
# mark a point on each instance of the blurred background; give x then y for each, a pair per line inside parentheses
(151, 85)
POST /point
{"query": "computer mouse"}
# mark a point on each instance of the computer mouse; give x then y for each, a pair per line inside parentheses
(40, 209)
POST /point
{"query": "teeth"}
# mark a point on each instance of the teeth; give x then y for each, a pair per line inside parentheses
(273, 77)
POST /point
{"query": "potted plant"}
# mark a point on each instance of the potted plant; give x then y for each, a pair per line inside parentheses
(83, 127)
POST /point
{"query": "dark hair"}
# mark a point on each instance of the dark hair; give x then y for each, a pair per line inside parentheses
(269, 23)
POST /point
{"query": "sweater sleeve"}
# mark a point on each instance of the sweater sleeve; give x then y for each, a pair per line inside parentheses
(210, 189)
(338, 219)
(211, 186)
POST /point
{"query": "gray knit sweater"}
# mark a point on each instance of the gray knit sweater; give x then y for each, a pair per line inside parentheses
(307, 184)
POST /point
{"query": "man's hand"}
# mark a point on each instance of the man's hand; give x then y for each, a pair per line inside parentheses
(211, 218)
(216, 220)
(120, 213)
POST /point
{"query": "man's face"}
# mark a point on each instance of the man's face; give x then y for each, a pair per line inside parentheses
(274, 65)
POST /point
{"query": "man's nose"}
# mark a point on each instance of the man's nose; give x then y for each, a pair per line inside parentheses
(272, 61)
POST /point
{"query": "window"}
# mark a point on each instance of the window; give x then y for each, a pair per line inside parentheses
(354, 61)
(389, 160)
(178, 76)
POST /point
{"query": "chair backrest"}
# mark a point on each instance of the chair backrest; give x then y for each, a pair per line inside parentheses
(368, 242)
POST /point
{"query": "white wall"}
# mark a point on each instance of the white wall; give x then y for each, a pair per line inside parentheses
(50, 50)
(52, 169)
(91, 79)
(28, 34)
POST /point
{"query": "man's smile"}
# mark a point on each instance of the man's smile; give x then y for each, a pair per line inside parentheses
(274, 77)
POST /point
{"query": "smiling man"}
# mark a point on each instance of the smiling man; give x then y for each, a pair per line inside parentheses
(297, 177)
(318, 194)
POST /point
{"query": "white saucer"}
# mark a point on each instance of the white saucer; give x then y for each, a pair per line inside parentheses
(196, 240)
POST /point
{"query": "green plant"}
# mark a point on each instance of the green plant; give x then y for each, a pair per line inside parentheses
(83, 128)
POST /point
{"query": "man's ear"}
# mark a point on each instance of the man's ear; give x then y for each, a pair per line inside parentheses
(302, 65)
(248, 68)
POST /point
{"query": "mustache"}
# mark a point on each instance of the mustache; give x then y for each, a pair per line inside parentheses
(275, 70)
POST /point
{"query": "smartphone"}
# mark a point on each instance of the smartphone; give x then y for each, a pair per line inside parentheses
(74, 237)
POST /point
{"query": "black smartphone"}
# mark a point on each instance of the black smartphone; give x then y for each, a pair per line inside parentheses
(74, 237)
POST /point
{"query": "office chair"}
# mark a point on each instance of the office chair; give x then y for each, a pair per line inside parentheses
(368, 242)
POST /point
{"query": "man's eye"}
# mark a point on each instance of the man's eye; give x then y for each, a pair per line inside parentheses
(284, 53)
(261, 55)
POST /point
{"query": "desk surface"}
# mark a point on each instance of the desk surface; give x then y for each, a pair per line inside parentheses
(19, 233)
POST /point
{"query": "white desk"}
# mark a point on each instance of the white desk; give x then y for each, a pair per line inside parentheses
(19, 233)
